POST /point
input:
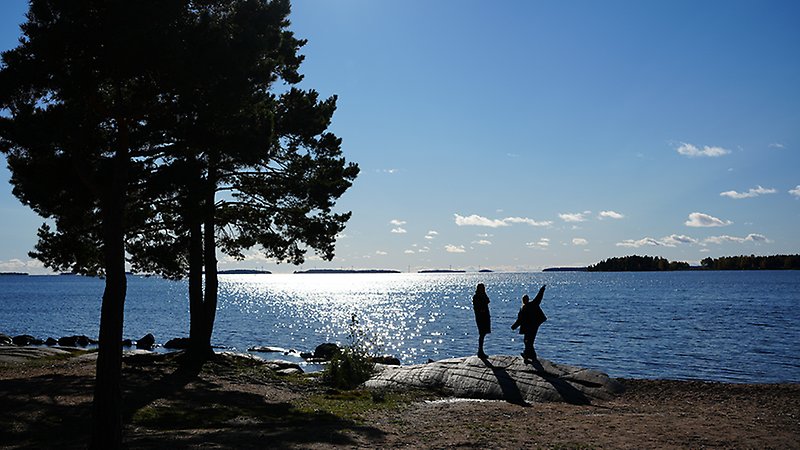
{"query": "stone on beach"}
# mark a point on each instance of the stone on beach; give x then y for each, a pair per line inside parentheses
(182, 343)
(146, 342)
(501, 377)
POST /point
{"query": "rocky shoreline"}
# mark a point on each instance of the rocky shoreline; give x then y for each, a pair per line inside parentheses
(321, 354)
(236, 401)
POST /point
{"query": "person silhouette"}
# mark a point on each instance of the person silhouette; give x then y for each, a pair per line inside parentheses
(480, 303)
(529, 318)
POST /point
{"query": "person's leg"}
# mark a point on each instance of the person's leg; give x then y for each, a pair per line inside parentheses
(533, 339)
(481, 337)
(526, 338)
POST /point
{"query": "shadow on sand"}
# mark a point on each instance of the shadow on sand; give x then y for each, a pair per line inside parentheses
(168, 406)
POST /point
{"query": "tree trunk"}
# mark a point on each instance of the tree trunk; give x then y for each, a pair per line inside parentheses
(107, 411)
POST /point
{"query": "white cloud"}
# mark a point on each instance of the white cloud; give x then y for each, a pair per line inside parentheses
(669, 241)
(753, 192)
(397, 222)
(610, 215)
(480, 221)
(697, 219)
(676, 239)
(18, 265)
(381, 253)
(776, 145)
(409, 252)
(423, 250)
(692, 151)
(752, 237)
(431, 235)
(389, 171)
(573, 217)
(795, 191)
(531, 222)
(482, 242)
(648, 241)
(454, 248)
(541, 244)
(399, 230)
(580, 241)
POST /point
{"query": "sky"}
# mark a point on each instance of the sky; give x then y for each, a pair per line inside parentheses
(519, 135)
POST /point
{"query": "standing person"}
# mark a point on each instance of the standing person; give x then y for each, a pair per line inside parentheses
(529, 318)
(480, 303)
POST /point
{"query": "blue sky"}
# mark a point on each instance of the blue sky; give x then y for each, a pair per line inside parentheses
(520, 135)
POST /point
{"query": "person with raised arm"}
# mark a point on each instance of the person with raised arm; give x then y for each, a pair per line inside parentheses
(529, 318)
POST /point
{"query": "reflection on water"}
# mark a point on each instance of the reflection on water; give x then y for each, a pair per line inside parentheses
(729, 326)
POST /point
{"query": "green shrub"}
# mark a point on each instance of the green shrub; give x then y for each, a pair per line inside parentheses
(352, 365)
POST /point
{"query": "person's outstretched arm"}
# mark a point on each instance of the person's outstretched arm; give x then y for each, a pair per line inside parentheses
(540, 295)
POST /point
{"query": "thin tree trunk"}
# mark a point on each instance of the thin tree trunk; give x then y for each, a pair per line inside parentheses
(107, 432)
(107, 411)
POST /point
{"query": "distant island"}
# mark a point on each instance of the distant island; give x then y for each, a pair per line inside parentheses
(14, 273)
(485, 271)
(752, 262)
(637, 263)
(565, 269)
(243, 272)
(346, 271)
(441, 271)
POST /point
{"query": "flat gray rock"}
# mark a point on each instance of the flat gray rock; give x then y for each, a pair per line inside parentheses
(501, 377)
(12, 354)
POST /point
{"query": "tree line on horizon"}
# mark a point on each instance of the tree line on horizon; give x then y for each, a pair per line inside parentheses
(636, 263)
(752, 262)
(152, 134)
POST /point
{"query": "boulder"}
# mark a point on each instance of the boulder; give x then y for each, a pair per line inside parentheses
(284, 367)
(146, 342)
(50, 342)
(326, 351)
(501, 377)
(26, 339)
(385, 359)
(75, 341)
(178, 343)
(267, 349)
(6, 339)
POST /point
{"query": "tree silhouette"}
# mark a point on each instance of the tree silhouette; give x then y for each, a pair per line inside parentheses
(149, 129)
(244, 167)
(78, 92)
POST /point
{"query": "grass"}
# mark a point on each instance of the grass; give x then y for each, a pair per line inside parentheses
(354, 404)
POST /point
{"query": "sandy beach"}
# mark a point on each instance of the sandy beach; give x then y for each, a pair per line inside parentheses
(235, 403)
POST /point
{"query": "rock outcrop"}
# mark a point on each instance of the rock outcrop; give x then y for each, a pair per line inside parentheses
(182, 343)
(147, 342)
(501, 378)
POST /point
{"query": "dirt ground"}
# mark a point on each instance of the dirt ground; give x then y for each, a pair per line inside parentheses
(46, 403)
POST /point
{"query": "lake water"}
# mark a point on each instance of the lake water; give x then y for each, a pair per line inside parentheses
(723, 326)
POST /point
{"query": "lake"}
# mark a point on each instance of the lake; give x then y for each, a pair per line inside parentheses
(722, 326)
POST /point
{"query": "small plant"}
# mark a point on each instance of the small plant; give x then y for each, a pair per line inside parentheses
(352, 365)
